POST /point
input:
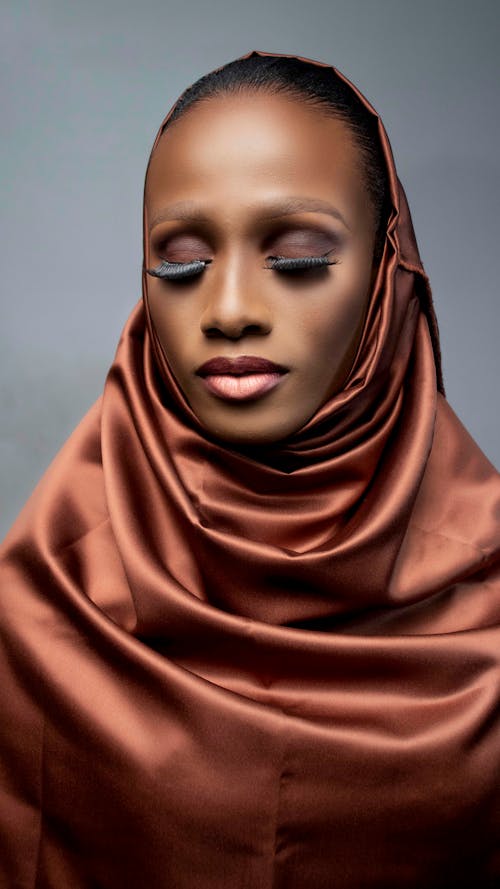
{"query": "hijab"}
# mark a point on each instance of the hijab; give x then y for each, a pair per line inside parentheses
(272, 668)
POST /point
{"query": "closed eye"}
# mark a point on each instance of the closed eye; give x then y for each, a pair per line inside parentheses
(299, 263)
(174, 270)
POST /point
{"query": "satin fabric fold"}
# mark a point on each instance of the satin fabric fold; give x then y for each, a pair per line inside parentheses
(269, 669)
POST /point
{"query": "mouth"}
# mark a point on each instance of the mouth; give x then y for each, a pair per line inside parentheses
(240, 379)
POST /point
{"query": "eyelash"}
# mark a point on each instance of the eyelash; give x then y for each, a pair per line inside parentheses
(174, 270)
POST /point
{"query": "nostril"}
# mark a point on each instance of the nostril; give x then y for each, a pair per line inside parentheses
(225, 332)
(256, 329)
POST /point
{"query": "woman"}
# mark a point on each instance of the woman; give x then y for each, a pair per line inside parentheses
(250, 617)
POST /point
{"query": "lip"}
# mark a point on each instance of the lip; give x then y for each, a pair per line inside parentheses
(243, 364)
(240, 379)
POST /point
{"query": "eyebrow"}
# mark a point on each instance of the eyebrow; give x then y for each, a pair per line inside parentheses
(189, 211)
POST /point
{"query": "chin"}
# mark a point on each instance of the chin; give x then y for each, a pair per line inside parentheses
(235, 431)
(258, 423)
(255, 437)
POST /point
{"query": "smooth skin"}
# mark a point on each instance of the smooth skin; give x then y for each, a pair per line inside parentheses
(237, 167)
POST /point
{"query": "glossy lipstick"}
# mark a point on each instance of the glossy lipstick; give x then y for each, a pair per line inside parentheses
(242, 378)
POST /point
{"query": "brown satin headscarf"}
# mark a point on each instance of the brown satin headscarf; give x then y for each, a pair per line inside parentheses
(272, 670)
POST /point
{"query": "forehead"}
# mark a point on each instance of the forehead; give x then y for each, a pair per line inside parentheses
(255, 143)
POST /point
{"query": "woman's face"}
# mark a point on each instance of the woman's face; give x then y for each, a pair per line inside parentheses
(238, 180)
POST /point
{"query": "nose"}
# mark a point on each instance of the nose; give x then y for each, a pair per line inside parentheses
(236, 305)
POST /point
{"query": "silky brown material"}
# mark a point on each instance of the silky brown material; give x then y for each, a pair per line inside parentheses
(222, 670)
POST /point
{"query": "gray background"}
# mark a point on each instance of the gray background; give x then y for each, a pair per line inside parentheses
(85, 85)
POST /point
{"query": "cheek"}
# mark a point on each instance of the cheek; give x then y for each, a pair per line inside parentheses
(171, 323)
(333, 327)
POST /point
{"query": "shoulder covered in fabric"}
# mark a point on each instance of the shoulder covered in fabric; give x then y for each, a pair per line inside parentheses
(62, 540)
(452, 545)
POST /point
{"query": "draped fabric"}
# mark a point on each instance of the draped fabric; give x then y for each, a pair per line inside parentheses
(268, 668)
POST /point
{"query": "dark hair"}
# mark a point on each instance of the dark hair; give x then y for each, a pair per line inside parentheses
(316, 85)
